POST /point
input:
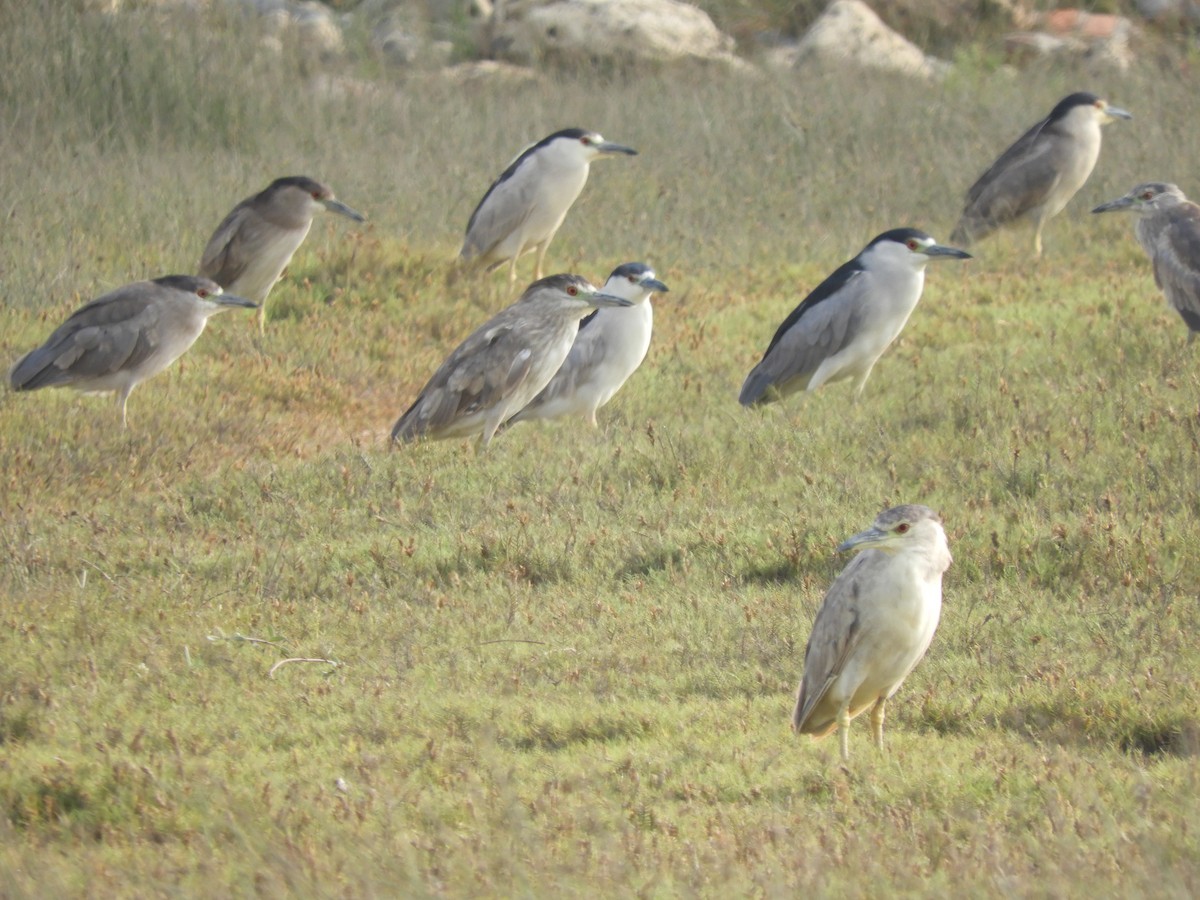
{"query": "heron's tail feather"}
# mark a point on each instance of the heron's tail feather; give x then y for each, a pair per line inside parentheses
(35, 370)
(757, 388)
(968, 230)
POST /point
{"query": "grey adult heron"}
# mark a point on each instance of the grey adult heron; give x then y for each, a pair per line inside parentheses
(1037, 176)
(503, 365)
(1168, 228)
(875, 623)
(842, 328)
(117, 341)
(611, 344)
(526, 205)
(255, 242)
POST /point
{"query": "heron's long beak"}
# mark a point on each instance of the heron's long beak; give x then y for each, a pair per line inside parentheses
(1114, 205)
(1115, 112)
(224, 299)
(337, 206)
(601, 300)
(610, 147)
(654, 284)
(940, 251)
(869, 538)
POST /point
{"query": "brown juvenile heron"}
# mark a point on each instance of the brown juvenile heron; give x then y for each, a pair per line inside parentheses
(253, 245)
(875, 623)
(1038, 175)
(503, 365)
(1168, 228)
(124, 337)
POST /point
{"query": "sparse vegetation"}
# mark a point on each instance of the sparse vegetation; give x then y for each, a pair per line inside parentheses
(570, 662)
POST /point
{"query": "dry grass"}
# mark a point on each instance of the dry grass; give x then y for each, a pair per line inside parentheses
(569, 662)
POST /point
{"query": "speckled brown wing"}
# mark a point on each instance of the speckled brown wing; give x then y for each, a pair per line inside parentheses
(834, 636)
(487, 367)
(1176, 257)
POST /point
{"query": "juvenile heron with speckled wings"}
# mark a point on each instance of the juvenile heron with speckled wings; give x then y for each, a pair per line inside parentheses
(875, 623)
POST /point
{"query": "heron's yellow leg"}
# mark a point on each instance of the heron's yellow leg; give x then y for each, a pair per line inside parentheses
(843, 719)
(877, 722)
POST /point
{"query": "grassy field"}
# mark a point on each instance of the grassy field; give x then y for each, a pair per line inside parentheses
(566, 666)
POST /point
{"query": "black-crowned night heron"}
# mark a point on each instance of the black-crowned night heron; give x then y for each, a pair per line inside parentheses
(526, 205)
(611, 344)
(253, 245)
(503, 365)
(1168, 228)
(1040, 173)
(875, 623)
(843, 326)
(119, 340)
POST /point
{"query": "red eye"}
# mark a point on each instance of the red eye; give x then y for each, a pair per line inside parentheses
(902, 528)
(585, 141)
(1146, 195)
(572, 290)
(912, 244)
(202, 292)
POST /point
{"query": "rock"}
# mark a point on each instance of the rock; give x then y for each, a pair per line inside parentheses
(1099, 39)
(401, 42)
(1169, 11)
(487, 70)
(941, 26)
(850, 33)
(343, 87)
(619, 31)
(316, 30)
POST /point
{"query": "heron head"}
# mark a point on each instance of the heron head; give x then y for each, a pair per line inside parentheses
(583, 146)
(206, 290)
(1089, 106)
(571, 292)
(300, 195)
(899, 528)
(912, 246)
(634, 281)
(1145, 199)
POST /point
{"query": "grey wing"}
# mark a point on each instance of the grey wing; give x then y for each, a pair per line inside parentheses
(1177, 263)
(502, 211)
(224, 259)
(821, 332)
(835, 634)
(487, 367)
(1014, 184)
(101, 338)
(587, 352)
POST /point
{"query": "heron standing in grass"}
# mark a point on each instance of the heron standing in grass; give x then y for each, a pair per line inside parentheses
(124, 337)
(609, 347)
(842, 328)
(1168, 228)
(875, 624)
(1038, 175)
(503, 365)
(255, 242)
(526, 205)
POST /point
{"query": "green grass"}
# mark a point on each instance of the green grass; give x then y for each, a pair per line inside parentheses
(569, 662)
